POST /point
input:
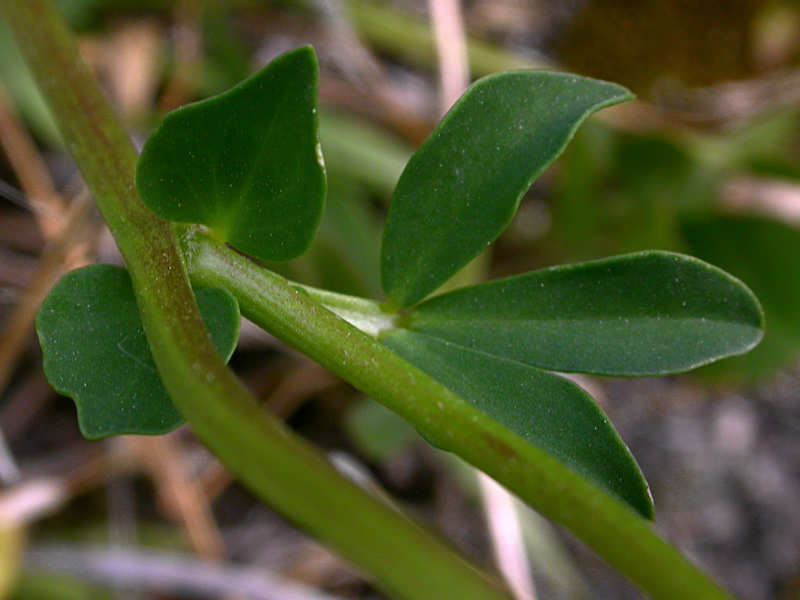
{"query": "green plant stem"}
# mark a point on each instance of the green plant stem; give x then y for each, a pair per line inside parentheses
(407, 561)
(620, 536)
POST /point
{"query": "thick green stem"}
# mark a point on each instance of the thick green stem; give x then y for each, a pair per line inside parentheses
(620, 536)
(288, 473)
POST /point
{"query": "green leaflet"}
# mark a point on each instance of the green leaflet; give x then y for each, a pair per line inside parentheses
(246, 163)
(462, 187)
(648, 313)
(546, 410)
(95, 351)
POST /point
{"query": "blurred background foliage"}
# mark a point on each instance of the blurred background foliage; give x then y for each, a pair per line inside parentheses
(706, 162)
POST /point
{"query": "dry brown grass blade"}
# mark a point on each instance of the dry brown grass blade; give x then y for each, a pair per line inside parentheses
(46, 203)
(67, 250)
(168, 574)
(41, 495)
(505, 531)
(182, 496)
(451, 47)
(66, 229)
(130, 62)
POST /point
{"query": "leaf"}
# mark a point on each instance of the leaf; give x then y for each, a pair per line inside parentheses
(462, 187)
(648, 313)
(546, 410)
(765, 254)
(95, 351)
(246, 163)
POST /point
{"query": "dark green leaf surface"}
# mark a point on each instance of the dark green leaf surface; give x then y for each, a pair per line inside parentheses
(765, 254)
(246, 163)
(95, 351)
(462, 187)
(546, 410)
(648, 313)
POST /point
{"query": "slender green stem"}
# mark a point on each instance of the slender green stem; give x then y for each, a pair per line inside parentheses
(407, 561)
(619, 535)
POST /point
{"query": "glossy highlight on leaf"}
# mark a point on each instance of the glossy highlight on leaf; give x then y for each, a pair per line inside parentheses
(95, 351)
(546, 410)
(648, 313)
(246, 163)
(462, 187)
